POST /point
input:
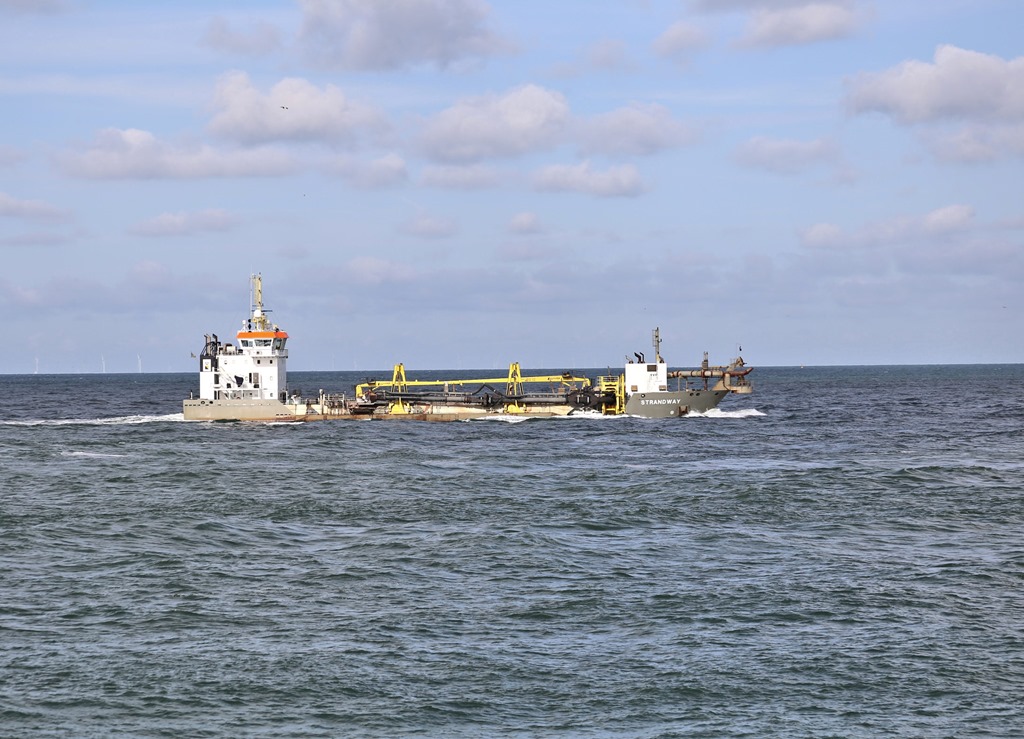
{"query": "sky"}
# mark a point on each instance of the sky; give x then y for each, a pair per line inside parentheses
(465, 183)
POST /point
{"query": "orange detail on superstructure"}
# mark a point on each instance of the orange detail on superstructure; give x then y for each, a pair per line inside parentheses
(262, 335)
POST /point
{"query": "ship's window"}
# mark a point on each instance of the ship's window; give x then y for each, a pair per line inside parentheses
(263, 342)
(216, 379)
(279, 343)
(246, 342)
(652, 368)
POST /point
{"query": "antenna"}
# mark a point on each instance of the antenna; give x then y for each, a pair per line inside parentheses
(656, 337)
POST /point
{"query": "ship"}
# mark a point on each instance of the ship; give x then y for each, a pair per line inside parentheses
(248, 381)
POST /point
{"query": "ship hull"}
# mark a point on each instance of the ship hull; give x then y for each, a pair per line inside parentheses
(672, 404)
(237, 410)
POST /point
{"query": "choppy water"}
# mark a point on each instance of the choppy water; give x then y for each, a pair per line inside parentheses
(841, 554)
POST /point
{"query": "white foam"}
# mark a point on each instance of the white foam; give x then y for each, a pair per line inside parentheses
(719, 413)
(501, 418)
(92, 455)
(113, 421)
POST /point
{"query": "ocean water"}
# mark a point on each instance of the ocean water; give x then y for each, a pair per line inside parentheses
(839, 555)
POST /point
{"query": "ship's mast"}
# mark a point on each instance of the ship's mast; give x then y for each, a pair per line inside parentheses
(656, 336)
(259, 318)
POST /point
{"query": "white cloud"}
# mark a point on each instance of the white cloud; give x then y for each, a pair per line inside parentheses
(36, 210)
(679, 42)
(459, 177)
(182, 224)
(772, 23)
(821, 235)
(525, 223)
(709, 6)
(785, 156)
(960, 84)
(941, 222)
(135, 154)
(293, 109)
(374, 271)
(388, 34)
(620, 181)
(638, 129)
(948, 219)
(801, 24)
(386, 171)
(430, 227)
(33, 6)
(978, 143)
(39, 239)
(261, 38)
(9, 156)
(606, 55)
(525, 119)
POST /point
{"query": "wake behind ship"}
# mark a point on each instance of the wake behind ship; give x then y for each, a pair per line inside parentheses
(248, 381)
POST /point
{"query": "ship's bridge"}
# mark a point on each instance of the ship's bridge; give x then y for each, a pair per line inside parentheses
(263, 343)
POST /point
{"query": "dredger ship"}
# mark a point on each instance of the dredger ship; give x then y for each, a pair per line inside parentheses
(248, 381)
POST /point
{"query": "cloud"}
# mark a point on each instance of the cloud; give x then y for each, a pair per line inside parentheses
(525, 223)
(941, 222)
(620, 181)
(135, 154)
(679, 42)
(35, 210)
(39, 239)
(978, 143)
(606, 55)
(802, 24)
(785, 156)
(960, 84)
(389, 34)
(183, 224)
(9, 156)
(638, 129)
(525, 119)
(430, 227)
(373, 271)
(386, 171)
(293, 109)
(773, 23)
(261, 38)
(460, 177)
(33, 6)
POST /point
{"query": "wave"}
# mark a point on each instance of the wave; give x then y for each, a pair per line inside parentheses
(719, 413)
(93, 455)
(113, 421)
(596, 416)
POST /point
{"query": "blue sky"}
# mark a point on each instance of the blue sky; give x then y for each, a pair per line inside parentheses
(463, 184)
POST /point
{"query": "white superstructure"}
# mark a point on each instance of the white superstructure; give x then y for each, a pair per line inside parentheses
(647, 377)
(254, 369)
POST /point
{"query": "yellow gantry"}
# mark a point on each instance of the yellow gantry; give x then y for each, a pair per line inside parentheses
(513, 382)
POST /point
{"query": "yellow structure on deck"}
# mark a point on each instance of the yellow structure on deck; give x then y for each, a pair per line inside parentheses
(514, 386)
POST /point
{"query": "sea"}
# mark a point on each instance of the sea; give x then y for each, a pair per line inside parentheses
(840, 554)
